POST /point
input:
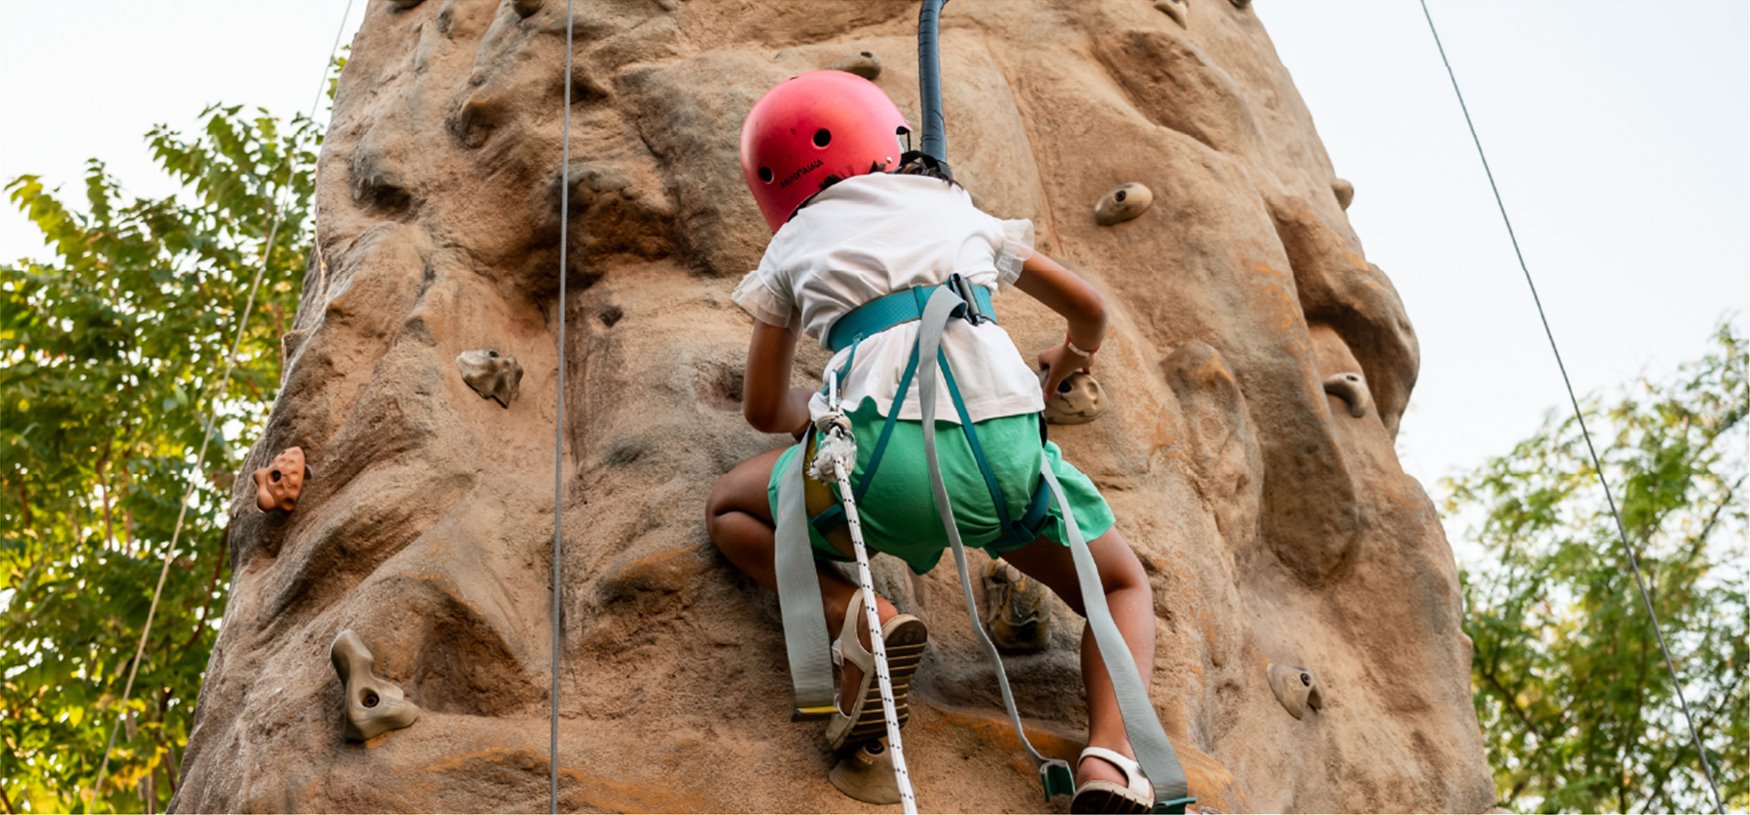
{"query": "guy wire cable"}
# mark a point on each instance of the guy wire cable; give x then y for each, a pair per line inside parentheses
(1597, 466)
(207, 435)
(559, 428)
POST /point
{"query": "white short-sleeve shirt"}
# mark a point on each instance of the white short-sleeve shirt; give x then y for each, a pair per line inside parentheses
(872, 235)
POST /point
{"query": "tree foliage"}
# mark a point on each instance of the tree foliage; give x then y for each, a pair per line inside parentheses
(113, 350)
(1577, 707)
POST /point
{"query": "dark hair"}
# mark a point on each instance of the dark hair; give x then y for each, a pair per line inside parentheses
(911, 163)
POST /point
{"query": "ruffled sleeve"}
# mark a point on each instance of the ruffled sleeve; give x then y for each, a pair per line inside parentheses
(758, 296)
(1016, 245)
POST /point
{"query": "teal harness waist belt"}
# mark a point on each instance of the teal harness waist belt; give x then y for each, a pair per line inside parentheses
(907, 306)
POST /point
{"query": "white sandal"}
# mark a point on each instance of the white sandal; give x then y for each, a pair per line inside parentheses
(1137, 796)
(905, 637)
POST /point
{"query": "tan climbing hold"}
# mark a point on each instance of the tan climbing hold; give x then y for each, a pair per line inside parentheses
(1079, 400)
(1122, 203)
(866, 774)
(278, 485)
(1173, 8)
(373, 705)
(525, 8)
(1351, 388)
(1344, 191)
(491, 374)
(863, 64)
(1016, 613)
(1296, 688)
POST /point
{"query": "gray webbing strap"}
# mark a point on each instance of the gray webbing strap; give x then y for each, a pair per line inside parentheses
(937, 312)
(799, 597)
(1153, 750)
(1147, 738)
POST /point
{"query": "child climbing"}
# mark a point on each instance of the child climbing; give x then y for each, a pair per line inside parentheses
(865, 237)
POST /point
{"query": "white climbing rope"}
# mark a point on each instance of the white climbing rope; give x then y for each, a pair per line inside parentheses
(559, 430)
(1580, 417)
(207, 435)
(837, 454)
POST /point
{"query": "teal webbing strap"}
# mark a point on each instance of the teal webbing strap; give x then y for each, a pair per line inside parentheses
(1154, 751)
(834, 515)
(885, 312)
(990, 478)
(805, 637)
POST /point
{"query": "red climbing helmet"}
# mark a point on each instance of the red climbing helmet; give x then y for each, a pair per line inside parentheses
(809, 127)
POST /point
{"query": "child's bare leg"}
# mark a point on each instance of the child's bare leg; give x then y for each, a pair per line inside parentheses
(739, 520)
(1132, 604)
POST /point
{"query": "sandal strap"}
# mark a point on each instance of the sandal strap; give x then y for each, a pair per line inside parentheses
(849, 646)
(1133, 776)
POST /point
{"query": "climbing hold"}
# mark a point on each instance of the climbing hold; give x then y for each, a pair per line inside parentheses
(1344, 191)
(863, 64)
(1351, 388)
(1240, 3)
(526, 8)
(1122, 203)
(278, 485)
(1079, 399)
(1174, 9)
(491, 374)
(373, 705)
(1015, 609)
(1296, 688)
(866, 774)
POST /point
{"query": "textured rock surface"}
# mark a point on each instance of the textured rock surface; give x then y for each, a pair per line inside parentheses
(1276, 527)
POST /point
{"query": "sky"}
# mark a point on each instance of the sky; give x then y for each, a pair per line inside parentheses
(1619, 133)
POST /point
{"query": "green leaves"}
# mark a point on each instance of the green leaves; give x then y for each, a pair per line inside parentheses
(109, 357)
(1577, 707)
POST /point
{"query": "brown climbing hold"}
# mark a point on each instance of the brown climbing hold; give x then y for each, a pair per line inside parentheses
(1344, 191)
(1173, 8)
(863, 64)
(1016, 613)
(278, 485)
(1122, 203)
(374, 706)
(491, 374)
(1079, 400)
(866, 774)
(1296, 688)
(1351, 388)
(525, 8)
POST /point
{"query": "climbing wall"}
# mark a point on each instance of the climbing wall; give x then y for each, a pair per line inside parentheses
(1256, 371)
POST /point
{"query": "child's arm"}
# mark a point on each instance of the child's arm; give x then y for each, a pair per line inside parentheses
(1062, 291)
(767, 400)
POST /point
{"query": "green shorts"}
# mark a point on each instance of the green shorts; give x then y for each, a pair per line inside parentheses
(898, 515)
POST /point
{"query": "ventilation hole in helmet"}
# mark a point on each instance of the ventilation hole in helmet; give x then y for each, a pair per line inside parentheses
(822, 137)
(766, 174)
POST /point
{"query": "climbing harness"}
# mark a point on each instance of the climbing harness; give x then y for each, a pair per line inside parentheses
(836, 457)
(1580, 418)
(933, 307)
(556, 615)
(207, 434)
